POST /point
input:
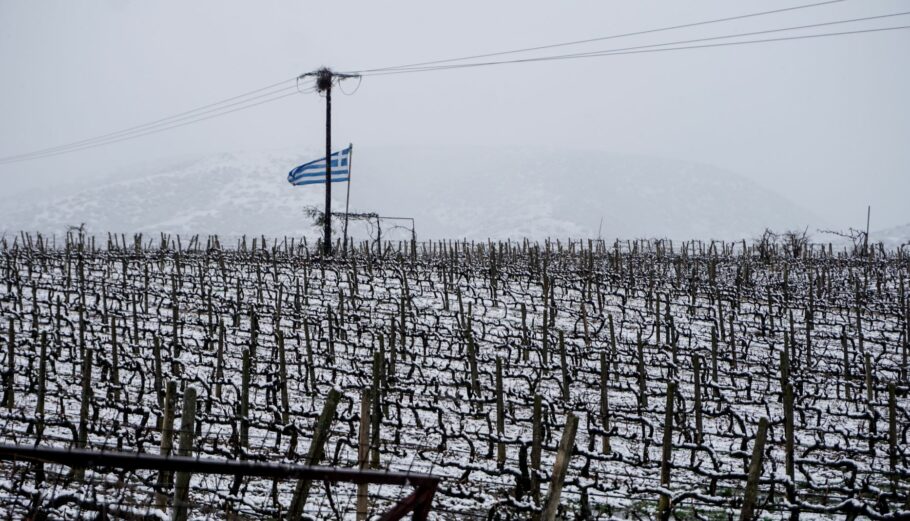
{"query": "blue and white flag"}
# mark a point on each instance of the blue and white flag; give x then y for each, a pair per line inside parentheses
(313, 173)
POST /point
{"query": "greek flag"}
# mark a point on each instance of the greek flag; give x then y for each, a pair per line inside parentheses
(313, 173)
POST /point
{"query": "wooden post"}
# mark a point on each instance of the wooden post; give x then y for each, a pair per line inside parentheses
(363, 455)
(663, 505)
(714, 361)
(283, 375)
(755, 467)
(536, 442)
(42, 388)
(809, 338)
(846, 376)
(219, 367)
(788, 444)
(403, 337)
(613, 353)
(563, 455)
(525, 337)
(175, 320)
(870, 398)
(114, 387)
(696, 377)
(500, 416)
(8, 396)
(167, 442)
(311, 364)
(642, 376)
(376, 417)
(892, 436)
(584, 321)
(84, 404)
(316, 452)
(185, 448)
(545, 343)
(245, 401)
(472, 356)
(605, 402)
(563, 364)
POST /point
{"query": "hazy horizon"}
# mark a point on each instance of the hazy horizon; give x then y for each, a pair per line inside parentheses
(818, 121)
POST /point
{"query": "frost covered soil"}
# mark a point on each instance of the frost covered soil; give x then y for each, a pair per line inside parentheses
(440, 318)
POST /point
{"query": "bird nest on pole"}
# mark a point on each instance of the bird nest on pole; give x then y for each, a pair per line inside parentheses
(323, 79)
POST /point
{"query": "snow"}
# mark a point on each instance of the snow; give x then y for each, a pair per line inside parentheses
(452, 192)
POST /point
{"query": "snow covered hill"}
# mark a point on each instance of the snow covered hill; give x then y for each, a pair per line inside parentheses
(450, 191)
(892, 237)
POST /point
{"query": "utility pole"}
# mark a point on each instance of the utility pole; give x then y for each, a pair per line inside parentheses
(325, 78)
(324, 84)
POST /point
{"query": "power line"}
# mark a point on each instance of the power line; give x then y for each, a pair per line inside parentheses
(602, 38)
(158, 122)
(752, 33)
(740, 35)
(271, 92)
(155, 131)
(636, 50)
(140, 128)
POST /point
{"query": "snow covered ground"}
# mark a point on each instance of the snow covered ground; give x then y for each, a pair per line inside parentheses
(564, 323)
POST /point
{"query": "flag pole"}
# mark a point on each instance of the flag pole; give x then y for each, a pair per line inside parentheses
(347, 200)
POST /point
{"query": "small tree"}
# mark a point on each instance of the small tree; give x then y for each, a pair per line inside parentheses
(792, 242)
(795, 241)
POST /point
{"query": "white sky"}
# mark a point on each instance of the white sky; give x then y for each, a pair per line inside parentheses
(825, 122)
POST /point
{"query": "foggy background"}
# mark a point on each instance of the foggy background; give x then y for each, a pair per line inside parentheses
(824, 123)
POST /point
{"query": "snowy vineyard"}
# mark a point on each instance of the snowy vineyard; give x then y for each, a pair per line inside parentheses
(471, 361)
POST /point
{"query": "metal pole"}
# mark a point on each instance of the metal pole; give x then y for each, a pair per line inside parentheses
(327, 239)
(866, 237)
(347, 200)
(200, 465)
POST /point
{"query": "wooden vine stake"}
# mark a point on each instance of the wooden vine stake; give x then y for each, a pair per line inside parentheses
(363, 455)
(605, 402)
(563, 364)
(536, 442)
(376, 417)
(696, 380)
(316, 452)
(167, 442)
(81, 443)
(892, 436)
(663, 505)
(8, 397)
(563, 455)
(283, 376)
(789, 462)
(500, 416)
(755, 467)
(185, 448)
(245, 401)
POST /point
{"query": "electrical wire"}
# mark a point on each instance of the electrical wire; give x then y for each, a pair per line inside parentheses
(243, 101)
(157, 130)
(602, 38)
(641, 50)
(246, 96)
(740, 35)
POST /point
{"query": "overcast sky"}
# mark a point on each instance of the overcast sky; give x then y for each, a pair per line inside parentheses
(825, 122)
